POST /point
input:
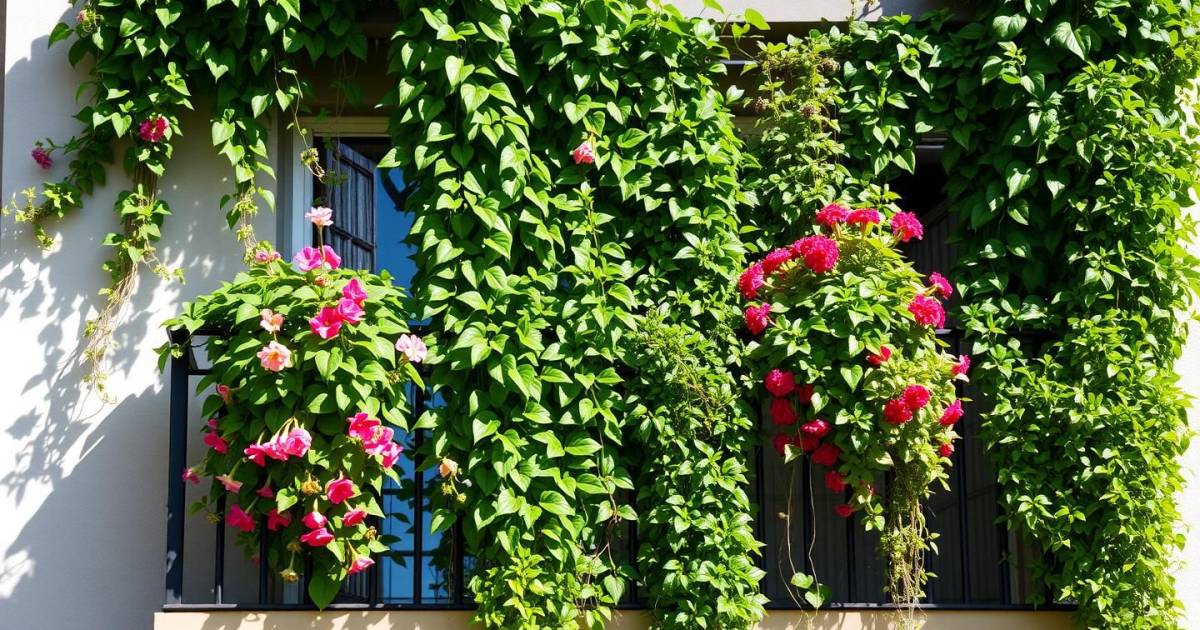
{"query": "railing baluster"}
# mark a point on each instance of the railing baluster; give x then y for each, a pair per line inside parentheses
(418, 502)
(262, 561)
(219, 564)
(176, 462)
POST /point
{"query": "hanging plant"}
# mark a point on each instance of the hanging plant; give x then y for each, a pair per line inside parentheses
(309, 392)
(855, 380)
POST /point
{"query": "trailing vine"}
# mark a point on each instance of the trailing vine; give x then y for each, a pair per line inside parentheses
(1069, 157)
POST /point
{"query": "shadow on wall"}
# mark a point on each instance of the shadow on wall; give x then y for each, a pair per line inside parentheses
(83, 484)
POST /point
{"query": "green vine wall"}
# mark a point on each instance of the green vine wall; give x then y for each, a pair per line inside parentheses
(1070, 156)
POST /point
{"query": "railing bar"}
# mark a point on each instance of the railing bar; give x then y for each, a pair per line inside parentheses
(262, 561)
(176, 488)
(373, 574)
(418, 500)
(460, 564)
(219, 560)
(808, 512)
(851, 555)
(760, 493)
(964, 525)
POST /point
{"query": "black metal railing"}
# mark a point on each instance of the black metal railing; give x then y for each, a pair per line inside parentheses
(399, 581)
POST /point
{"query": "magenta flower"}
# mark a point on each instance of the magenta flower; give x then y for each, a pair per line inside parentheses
(317, 538)
(153, 129)
(354, 291)
(916, 396)
(230, 484)
(42, 156)
(877, 360)
(960, 368)
(906, 226)
(327, 324)
(310, 258)
(362, 426)
(927, 311)
(354, 517)
(256, 453)
(816, 428)
(953, 414)
(820, 252)
(297, 442)
(779, 382)
(315, 520)
(191, 477)
(832, 215)
(216, 442)
(339, 490)
(350, 311)
(239, 519)
(864, 218)
(940, 285)
(751, 281)
(583, 154)
(265, 492)
(276, 521)
(774, 260)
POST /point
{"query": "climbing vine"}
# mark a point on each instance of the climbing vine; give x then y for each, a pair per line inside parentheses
(1069, 156)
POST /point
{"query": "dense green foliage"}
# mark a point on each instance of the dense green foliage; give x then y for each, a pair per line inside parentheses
(295, 415)
(536, 269)
(1069, 155)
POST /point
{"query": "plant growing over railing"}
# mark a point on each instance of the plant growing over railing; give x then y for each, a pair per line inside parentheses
(854, 379)
(309, 379)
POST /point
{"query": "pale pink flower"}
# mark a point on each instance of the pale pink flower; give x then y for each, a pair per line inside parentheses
(272, 322)
(275, 357)
(359, 565)
(583, 154)
(413, 347)
(380, 438)
(390, 454)
(327, 324)
(264, 257)
(297, 442)
(191, 477)
(447, 467)
(320, 216)
(213, 423)
(230, 484)
(225, 393)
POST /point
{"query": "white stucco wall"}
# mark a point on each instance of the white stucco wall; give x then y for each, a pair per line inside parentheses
(82, 489)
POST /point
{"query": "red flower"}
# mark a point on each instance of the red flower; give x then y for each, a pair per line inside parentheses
(832, 215)
(952, 414)
(826, 455)
(153, 129)
(906, 226)
(877, 360)
(940, 285)
(775, 260)
(758, 318)
(751, 281)
(896, 412)
(779, 382)
(275, 520)
(41, 156)
(820, 253)
(844, 510)
(817, 428)
(946, 450)
(809, 443)
(863, 217)
(960, 368)
(804, 394)
(927, 311)
(239, 519)
(780, 442)
(782, 412)
(835, 481)
(916, 396)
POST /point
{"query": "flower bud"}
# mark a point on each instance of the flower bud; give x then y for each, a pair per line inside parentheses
(289, 575)
(311, 486)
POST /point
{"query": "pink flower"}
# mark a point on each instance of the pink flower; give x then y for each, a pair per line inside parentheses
(339, 490)
(877, 360)
(896, 412)
(380, 438)
(927, 311)
(320, 216)
(213, 423)
(272, 322)
(832, 215)
(940, 285)
(274, 449)
(780, 442)
(327, 324)
(583, 154)
(310, 258)
(317, 538)
(779, 382)
(775, 260)
(297, 442)
(265, 492)
(782, 412)
(275, 357)
(863, 218)
(42, 156)
(362, 426)
(960, 368)
(916, 396)
(826, 455)
(751, 281)
(390, 454)
(835, 481)
(350, 311)
(190, 476)
(820, 252)
(239, 519)
(953, 414)
(230, 484)
(359, 565)
(315, 520)
(153, 129)
(804, 394)
(263, 257)
(354, 291)
(413, 348)
(226, 395)
(758, 318)
(844, 510)
(946, 450)
(354, 517)
(817, 428)
(256, 453)
(906, 226)
(216, 443)
(275, 520)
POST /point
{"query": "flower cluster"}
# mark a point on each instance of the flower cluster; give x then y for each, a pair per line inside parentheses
(153, 129)
(308, 330)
